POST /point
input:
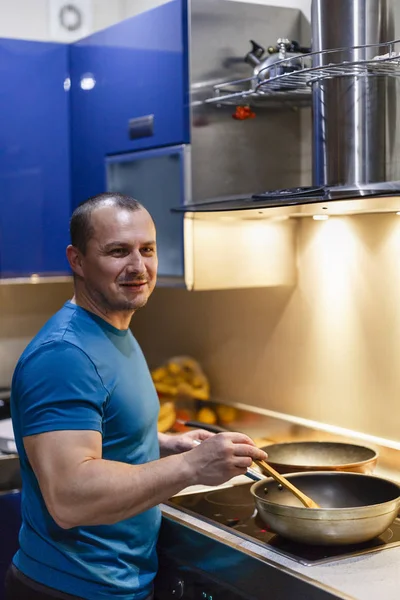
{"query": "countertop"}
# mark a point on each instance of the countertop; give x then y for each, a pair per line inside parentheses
(366, 577)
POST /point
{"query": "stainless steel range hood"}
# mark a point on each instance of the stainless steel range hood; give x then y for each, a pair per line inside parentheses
(353, 76)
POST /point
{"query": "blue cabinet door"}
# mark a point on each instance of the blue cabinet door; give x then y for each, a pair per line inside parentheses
(129, 91)
(35, 199)
(156, 179)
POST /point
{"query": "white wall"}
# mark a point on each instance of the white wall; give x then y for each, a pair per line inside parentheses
(303, 5)
(30, 19)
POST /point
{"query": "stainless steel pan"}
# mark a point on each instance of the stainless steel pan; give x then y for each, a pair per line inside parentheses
(294, 457)
(354, 507)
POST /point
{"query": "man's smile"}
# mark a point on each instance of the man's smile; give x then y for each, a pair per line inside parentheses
(134, 284)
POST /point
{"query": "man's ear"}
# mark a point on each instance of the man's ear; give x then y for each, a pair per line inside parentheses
(74, 257)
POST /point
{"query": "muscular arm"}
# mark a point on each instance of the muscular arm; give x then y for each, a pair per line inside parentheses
(79, 487)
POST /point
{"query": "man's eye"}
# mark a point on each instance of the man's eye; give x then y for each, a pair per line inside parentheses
(148, 251)
(118, 252)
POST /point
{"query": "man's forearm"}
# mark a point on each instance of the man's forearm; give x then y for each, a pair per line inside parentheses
(104, 492)
(165, 442)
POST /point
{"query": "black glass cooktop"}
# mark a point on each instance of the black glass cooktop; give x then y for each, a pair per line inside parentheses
(233, 509)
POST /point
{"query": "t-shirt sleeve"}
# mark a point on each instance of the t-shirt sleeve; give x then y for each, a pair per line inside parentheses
(58, 388)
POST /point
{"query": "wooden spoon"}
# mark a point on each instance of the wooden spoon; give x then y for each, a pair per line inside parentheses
(308, 502)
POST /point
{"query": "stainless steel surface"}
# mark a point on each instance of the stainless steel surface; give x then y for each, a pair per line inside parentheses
(230, 156)
(277, 79)
(288, 485)
(356, 142)
(283, 60)
(354, 507)
(291, 457)
(268, 427)
(351, 113)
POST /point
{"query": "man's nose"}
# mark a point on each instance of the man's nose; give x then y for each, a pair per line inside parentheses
(136, 263)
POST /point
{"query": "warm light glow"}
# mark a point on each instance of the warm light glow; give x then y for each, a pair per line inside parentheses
(321, 217)
(335, 263)
(34, 278)
(227, 253)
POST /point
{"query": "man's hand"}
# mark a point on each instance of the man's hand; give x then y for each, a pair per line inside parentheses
(223, 456)
(181, 442)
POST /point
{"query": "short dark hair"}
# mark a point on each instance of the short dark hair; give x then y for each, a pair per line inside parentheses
(81, 228)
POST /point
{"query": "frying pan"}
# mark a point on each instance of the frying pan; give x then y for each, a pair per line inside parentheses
(355, 507)
(294, 457)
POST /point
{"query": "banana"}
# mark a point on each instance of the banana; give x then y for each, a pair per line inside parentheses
(164, 388)
(181, 376)
(166, 408)
(167, 421)
(159, 374)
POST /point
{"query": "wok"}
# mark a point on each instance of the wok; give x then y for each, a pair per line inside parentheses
(294, 457)
(355, 507)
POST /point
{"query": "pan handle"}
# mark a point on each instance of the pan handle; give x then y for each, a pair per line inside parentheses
(254, 475)
(206, 426)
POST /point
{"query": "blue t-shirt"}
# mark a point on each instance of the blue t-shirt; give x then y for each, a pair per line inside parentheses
(82, 373)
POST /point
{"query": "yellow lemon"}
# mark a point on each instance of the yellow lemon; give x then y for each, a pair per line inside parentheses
(207, 415)
(227, 414)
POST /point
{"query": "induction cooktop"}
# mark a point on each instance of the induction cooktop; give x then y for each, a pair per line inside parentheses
(233, 509)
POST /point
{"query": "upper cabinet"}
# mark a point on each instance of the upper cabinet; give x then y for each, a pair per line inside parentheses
(129, 92)
(130, 119)
(156, 178)
(66, 109)
(34, 158)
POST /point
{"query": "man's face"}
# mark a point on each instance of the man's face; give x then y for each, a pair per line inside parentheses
(120, 264)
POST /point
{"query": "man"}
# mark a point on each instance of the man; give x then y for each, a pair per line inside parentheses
(84, 412)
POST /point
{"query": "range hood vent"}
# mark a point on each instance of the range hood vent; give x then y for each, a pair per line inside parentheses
(305, 201)
(352, 72)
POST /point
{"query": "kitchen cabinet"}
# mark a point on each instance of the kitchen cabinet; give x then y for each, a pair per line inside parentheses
(65, 109)
(10, 523)
(129, 92)
(34, 158)
(156, 178)
(130, 119)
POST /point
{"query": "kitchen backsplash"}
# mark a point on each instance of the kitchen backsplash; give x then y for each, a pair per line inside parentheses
(326, 350)
(24, 309)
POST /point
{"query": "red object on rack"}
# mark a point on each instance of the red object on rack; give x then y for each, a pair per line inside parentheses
(243, 112)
